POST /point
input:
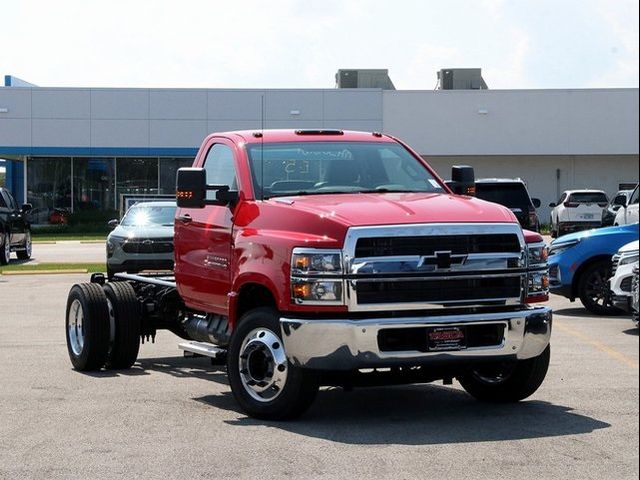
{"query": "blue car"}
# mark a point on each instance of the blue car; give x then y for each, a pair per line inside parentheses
(580, 265)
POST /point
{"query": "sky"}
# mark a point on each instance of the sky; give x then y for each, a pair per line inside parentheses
(301, 44)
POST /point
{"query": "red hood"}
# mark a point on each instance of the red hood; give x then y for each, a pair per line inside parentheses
(360, 209)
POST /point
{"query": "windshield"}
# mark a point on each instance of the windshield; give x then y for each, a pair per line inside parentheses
(588, 197)
(336, 167)
(512, 195)
(143, 216)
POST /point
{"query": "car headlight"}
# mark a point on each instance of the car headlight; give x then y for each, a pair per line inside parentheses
(538, 254)
(316, 276)
(626, 259)
(114, 242)
(557, 248)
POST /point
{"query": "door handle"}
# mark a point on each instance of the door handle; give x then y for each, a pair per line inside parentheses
(185, 218)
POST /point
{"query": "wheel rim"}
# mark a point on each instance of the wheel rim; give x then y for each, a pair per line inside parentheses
(76, 327)
(263, 365)
(597, 287)
(7, 248)
(27, 244)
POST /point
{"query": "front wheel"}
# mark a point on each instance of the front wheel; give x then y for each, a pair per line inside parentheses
(28, 247)
(507, 382)
(5, 249)
(593, 288)
(263, 382)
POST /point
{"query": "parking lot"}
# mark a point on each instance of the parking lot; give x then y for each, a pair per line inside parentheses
(172, 417)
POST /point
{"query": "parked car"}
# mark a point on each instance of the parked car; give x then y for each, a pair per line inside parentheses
(634, 296)
(577, 210)
(623, 264)
(620, 199)
(513, 194)
(15, 230)
(580, 265)
(143, 240)
(629, 213)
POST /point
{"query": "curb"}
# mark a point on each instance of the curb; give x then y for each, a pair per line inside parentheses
(44, 272)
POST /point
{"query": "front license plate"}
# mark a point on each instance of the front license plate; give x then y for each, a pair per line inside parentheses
(446, 338)
(588, 216)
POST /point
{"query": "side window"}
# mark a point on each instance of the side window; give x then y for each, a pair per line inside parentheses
(634, 196)
(3, 202)
(220, 168)
(619, 200)
(11, 201)
(562, 198)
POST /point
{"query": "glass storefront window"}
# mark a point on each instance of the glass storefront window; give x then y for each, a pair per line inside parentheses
(168, 170)
(137, 176)
(48, 187)
(93, 184)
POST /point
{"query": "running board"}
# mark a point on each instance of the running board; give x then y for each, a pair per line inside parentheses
(201, 348)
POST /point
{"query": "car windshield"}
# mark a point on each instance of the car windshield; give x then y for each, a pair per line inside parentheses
(309, 168)
(512, 195)
(142, 216)
(588, 197)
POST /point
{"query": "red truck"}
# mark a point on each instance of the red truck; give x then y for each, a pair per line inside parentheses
(313, 258)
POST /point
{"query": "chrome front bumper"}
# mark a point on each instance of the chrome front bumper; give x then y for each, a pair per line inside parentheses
(344, 344)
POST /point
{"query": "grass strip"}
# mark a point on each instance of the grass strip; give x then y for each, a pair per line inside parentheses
(49, 267)
(70, 236)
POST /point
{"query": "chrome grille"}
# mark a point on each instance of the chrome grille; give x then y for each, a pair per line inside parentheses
(420, 266)
(148, 246)
(614, 264)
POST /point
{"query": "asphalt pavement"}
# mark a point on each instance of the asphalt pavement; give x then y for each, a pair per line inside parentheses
(171, 417)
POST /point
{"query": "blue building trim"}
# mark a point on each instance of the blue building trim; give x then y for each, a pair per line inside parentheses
(7, 80)
(14, 179)
(100, 151)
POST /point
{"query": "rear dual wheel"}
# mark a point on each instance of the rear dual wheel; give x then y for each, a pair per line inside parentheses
(102, 326)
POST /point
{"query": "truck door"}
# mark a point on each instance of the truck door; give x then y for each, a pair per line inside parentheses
(203, 238)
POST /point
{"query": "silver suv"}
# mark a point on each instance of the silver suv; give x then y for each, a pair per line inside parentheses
(143, 240)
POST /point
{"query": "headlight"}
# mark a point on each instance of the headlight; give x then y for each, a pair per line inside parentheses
(114, 242)
(561, 247)
(316, 276)
(316, 262)
(538, 254)
(626, 259)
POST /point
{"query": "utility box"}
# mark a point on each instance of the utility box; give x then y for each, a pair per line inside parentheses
(461, 79)
(369, 78)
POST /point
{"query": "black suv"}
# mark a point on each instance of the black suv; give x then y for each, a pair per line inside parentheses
(513, 194)
(15, 231)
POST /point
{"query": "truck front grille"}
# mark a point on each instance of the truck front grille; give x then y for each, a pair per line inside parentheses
(148, 246)
(459, 290)
(404, 267)
(421, 245)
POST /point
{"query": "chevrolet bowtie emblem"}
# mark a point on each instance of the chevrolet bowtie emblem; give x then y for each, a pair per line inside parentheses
(442, 260)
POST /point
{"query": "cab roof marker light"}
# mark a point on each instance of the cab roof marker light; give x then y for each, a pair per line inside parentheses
(319, 132)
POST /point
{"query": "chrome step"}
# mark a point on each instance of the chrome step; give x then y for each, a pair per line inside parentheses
(201, 348)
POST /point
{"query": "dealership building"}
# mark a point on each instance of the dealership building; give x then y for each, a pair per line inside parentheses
(84, 148)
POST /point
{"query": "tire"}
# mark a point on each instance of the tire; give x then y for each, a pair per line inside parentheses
(87, 327)
(507, 383)
(593, 288)
(256, 361)
(26, 253)
(5, 249)
(124, 318)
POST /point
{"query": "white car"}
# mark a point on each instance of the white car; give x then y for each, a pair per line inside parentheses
(628, 214)
(577, 210)
(621, 282)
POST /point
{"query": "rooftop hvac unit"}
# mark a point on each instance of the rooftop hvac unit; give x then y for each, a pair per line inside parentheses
(370, 78)
(461, 79)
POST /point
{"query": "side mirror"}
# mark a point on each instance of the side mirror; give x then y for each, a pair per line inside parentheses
(191, 190)
(552, 204)
(26, 207)
(463, 180)
(113, 223)
(191, 187)
(536, 202)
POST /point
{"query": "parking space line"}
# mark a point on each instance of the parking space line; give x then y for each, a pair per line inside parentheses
(621, 357)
